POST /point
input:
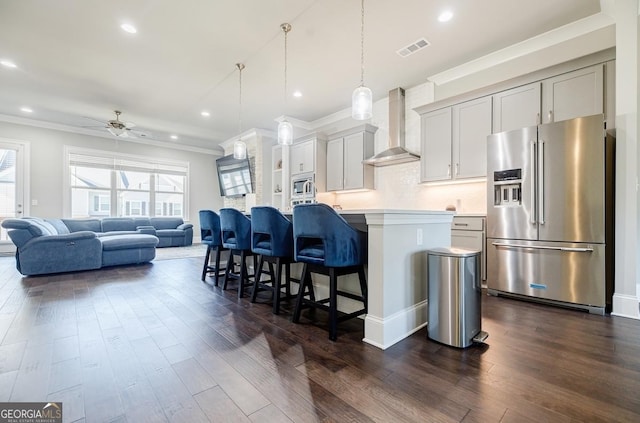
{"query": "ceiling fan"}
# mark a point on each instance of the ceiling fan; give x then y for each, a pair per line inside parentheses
(119, 128)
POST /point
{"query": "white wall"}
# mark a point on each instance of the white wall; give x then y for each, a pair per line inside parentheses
(47, 160)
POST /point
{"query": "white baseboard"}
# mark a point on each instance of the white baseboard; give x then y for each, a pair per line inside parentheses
(383, 333)
(626, 306)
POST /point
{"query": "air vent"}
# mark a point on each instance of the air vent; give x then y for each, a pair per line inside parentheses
(413, 47)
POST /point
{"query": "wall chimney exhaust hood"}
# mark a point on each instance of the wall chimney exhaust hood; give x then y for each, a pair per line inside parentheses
(396, 153)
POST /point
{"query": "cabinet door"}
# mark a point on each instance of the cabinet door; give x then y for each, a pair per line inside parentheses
(516, 108)
(574, 94)
(353, 155)
(435, 158)
(335, 165)
(302, 159)
(471, 126)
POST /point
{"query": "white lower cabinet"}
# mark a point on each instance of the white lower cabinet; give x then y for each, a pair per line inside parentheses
(468, 232)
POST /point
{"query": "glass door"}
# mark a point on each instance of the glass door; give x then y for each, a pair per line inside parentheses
(12, 184)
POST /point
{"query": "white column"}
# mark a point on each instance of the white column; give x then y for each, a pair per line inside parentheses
(627, 267)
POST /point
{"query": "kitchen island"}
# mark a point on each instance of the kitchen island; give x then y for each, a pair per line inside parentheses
(396, 271)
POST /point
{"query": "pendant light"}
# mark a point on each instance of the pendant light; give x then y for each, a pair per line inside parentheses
(285, 129)
(362, 98)
(239, 147)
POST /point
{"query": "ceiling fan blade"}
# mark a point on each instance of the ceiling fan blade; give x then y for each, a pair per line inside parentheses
(97, 120)
(129, 125)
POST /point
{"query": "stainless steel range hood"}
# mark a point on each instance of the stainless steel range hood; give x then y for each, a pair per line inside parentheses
(396, 153)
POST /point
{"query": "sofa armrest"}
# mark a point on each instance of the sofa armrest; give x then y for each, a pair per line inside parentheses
(185, 226)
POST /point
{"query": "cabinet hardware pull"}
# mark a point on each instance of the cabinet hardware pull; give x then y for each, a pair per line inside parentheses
(550, 115)
(457, 169)
(538, 122)
(460, 224)
(544, 247)
(448, 170)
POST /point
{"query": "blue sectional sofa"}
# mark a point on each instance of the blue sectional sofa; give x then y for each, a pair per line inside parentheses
(171, 231)
(49, 246)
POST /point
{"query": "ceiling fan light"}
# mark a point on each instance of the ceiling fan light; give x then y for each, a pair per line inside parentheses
(239, 150)
(285, 133)
(118, 132)
(362, 103)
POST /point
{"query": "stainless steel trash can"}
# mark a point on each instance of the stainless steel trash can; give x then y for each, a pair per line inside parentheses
(454, 305)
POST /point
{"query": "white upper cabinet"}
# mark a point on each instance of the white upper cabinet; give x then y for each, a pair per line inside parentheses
(574, 94)
(454, 141)
(517, 108)
(566, 96)
(345, 153)
(471, 126)
(435, 156)
(302, 157)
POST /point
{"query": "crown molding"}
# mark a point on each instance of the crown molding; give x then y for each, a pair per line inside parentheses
(99, 134)
(555, 36)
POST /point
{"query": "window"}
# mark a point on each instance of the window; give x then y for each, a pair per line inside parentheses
(104, 184)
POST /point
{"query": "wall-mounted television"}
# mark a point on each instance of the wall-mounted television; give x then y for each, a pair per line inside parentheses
(234, 176)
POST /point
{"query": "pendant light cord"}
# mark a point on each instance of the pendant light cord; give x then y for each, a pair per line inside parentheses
(362, 45)
(285, 28)
(240, 67)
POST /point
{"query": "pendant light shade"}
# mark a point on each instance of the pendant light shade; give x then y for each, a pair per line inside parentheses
(362, 98)
(285, 129)
(362, 103)
(285, 133)
(239, 147)
(239, 150)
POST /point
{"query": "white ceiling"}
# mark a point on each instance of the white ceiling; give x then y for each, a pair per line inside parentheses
(75, 64)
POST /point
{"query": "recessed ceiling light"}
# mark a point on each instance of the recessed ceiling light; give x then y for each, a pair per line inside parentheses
(445, 16)
(26, 109)
(8, 64)
(174, 137)
(128, 28)
(297, 94)
(205, 113)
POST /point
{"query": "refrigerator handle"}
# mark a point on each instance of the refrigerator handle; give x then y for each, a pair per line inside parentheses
(541, 185)
(533, 184)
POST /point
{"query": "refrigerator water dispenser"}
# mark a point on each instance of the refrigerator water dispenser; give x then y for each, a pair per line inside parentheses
(508, 187)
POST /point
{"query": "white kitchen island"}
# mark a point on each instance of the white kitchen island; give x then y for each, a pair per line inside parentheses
(396, 271)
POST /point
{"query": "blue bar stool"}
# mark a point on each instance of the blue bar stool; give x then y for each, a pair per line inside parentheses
(236, 236)
(327, 245)
(211, 235)
(272, 239)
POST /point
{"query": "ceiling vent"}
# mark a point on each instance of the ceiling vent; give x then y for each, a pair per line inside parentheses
(413, 47)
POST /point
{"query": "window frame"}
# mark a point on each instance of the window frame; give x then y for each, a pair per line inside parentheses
(74, 156)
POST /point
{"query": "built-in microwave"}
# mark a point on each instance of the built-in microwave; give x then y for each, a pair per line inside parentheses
(303, 185)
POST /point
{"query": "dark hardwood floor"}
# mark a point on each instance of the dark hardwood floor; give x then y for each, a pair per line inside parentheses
(152, 343)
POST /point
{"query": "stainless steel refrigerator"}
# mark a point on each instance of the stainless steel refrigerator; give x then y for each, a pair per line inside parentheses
(550, 213)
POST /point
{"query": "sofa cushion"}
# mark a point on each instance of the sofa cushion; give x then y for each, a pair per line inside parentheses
(75, 225)
(118, 224)
(59, 225)
(128, 241)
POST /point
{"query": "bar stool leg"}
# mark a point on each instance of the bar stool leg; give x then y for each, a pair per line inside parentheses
(304, 281)
(215, 275)
(363, 288)
(206, 263)
(333, 304)
(230, 265)
(256, 279)
(276, 284)
(243, 273)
